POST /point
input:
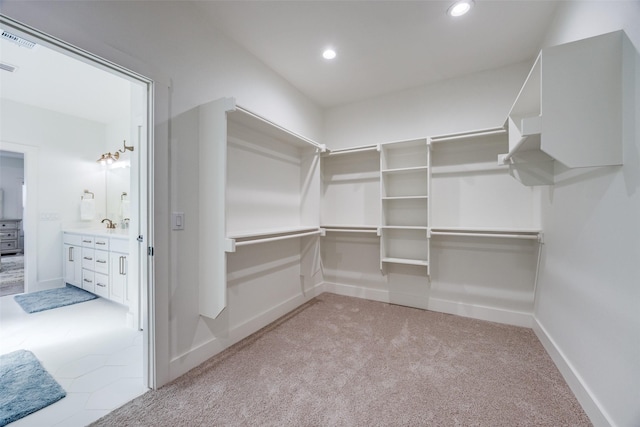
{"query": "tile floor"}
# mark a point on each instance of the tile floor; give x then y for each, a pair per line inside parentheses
(87, 348)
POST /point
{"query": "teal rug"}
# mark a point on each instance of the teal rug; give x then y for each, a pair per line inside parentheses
(25, 386)
(53, 298)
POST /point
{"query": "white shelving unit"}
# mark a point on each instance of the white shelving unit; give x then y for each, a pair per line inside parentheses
(571, 109)
(404, 203)
(259, 183)
(483, 220)
(350, 188)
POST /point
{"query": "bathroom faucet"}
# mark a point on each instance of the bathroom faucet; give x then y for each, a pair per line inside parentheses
(110, 224)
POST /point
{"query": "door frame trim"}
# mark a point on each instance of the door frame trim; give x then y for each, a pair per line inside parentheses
(147, 194)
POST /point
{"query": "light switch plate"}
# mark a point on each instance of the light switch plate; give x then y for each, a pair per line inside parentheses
(177, 220)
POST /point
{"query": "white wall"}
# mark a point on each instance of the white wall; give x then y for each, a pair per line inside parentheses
(191, 63)
(588, 302)
(472, 102)
(67, 149)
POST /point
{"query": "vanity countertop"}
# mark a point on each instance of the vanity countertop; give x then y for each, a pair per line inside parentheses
(117, 233)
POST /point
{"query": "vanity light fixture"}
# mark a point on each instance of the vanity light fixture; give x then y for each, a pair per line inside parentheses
(460, 8)
(109, 158)
(329, 53)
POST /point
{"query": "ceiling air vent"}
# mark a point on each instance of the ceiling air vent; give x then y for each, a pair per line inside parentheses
(17, 40)
(7, 67)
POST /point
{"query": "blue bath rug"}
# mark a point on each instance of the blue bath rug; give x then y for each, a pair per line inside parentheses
(53, 298)
(25, 386)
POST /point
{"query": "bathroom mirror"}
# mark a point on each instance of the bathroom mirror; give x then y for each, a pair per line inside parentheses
(118, 181)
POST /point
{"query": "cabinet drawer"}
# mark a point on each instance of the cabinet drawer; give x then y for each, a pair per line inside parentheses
(89, 281)
(88, 258)
(88, 241)
(102, 285)
(8, 234)
(101, 260)
(5, 225)
(11, 244)
(120, 245)
(101, 243)
(72, 239)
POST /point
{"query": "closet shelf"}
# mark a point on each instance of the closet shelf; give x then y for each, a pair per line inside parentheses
(405, 198)
(509, 233)
(405, 170)
(467, 135)
(407, 261)
(265, 126)
(269, 232)
(349, 229)
(351, 150)
(572, 110)
(269, 236)
(468, 168)
(405, 227)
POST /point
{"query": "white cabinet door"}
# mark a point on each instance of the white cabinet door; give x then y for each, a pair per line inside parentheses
(119, 278)
(73, 265)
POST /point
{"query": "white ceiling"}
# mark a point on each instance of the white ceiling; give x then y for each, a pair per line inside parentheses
(382, 46)
(48, 79)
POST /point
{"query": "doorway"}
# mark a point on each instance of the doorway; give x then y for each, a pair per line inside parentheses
(48, 212)
(11, 233)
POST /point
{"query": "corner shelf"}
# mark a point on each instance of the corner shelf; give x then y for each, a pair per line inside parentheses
(571, 109)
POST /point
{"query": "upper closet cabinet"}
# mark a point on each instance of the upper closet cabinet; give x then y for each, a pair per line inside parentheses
(572, 108)
(258, 183)
(404, 193)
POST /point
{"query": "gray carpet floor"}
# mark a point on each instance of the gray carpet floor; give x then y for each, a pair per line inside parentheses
(11, 275)
(341, 361)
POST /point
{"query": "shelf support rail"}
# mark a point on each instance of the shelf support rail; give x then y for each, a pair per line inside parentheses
(232, 244)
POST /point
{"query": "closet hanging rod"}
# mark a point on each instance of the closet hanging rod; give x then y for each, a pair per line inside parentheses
(507, 157)
(274, 239)
(464, 135)
(320, 147)
(352, 150)
(503, 235)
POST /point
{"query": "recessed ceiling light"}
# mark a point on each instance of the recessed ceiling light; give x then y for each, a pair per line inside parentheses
(459, 8)
(329, 54)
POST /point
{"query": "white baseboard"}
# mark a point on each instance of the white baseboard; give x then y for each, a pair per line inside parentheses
(589, 403)
(196, 356)
(381, 295)
(434, 304)
(357, 292)
(479, 312)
